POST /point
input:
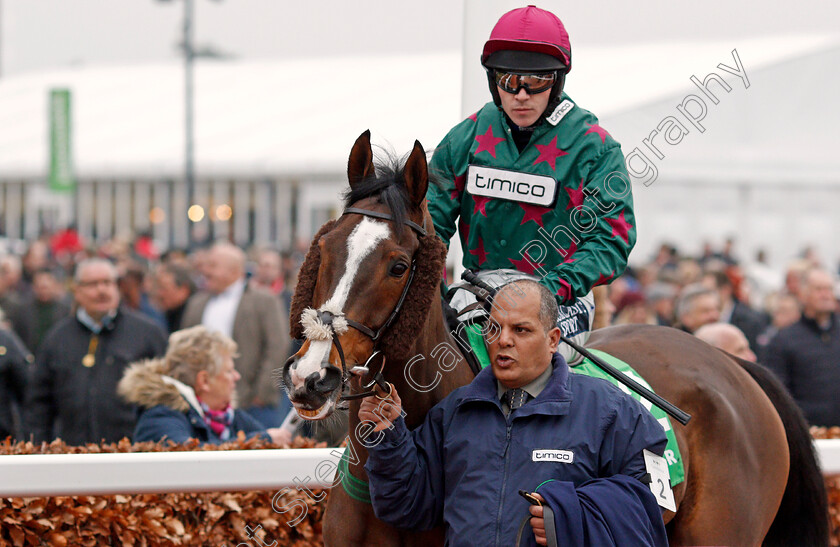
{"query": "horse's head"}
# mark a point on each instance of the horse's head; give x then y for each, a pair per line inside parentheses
(365, 288)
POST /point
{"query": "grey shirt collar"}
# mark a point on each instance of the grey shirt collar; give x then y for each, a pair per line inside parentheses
(534, 387)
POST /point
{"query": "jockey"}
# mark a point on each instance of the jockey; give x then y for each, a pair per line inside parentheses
(539, 186)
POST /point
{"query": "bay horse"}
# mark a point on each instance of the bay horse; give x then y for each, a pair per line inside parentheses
(367, 302)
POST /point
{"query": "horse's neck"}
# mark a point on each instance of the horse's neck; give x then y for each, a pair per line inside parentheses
(420, 381)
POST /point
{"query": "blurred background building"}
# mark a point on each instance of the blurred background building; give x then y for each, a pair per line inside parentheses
(282, 91)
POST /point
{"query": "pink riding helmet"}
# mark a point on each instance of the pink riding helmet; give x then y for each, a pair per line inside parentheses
(530, 29)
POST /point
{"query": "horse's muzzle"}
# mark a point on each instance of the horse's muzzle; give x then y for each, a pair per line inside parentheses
(316, 389)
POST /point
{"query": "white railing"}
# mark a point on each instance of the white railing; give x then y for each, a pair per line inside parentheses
(160, 472)
(828, 451)
(198, 471)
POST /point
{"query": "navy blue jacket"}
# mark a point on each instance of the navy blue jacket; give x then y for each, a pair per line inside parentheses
(163, 422)
(169, 409)
(464, 465)
(805, 357)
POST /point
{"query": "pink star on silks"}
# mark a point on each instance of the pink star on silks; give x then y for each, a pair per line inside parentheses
(480, 204)
(620, 227)
(568, 253)
(549, 152)
(525, 265)
(576, 196)
(473, 116)
(595, 128)
(479, 252)
(602, 279)
(464, 228)
(459, 181)
(533, 212)
(564, 292)
(487, 142)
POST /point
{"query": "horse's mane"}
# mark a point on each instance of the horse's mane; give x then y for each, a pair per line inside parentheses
(388, 186)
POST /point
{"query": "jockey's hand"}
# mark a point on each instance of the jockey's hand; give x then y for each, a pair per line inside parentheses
(382, 412)
(537, 521)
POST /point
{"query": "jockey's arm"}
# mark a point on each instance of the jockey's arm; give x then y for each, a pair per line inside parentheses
(605, 228)
(442, 207)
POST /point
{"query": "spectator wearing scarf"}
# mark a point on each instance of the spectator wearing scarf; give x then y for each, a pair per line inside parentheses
(190, 392)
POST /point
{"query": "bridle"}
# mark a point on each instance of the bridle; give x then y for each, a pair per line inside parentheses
(327, 319)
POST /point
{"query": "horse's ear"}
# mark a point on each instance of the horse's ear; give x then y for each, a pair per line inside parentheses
(417, 175)
(360, 164)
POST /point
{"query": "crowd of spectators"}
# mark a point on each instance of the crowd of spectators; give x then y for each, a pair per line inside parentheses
(785, 320)
(75, 317)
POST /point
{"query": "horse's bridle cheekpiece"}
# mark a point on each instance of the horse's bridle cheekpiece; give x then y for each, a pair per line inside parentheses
(328, 325)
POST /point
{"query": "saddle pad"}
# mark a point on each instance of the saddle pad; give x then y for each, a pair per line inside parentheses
(672, 451)
(477, 342)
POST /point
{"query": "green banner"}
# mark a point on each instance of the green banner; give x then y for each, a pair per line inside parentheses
(61, 155)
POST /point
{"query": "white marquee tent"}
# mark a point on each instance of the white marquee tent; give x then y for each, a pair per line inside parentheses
(764, 169)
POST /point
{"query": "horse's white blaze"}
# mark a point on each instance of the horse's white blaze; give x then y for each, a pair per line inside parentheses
(311, 361)
(363, 239)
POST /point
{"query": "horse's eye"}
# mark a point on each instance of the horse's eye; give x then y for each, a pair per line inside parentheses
(398, 269)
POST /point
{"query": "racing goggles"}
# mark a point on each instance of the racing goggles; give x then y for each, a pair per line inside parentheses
(531, 83)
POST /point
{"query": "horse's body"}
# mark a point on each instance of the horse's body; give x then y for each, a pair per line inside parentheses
(735, 450)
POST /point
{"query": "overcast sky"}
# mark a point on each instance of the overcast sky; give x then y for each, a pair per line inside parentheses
(44, 34)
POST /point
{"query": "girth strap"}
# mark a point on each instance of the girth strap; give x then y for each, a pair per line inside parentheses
(357, 489)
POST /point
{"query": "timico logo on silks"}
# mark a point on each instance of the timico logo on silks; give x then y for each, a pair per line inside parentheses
(511, 185)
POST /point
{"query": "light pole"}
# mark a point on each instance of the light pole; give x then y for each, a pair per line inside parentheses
(1, 38)
(189, 149)
(190, 55)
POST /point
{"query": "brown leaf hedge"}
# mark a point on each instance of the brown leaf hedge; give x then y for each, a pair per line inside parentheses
(832, 485)
(231, 519)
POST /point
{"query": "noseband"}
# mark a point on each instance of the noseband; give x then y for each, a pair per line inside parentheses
(327, 318)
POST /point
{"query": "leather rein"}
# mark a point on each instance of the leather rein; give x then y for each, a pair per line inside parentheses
(327, 318)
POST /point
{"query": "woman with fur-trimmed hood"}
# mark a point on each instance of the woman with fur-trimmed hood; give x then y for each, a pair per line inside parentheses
(190, 392)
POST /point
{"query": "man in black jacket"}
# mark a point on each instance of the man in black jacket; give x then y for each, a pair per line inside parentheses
(73, 392)
(173, 285)
(14, 362)
(735, 312)
(806, 355)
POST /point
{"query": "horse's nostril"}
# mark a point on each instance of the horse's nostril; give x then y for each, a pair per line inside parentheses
(290, 363)
(330, 381)
(312, 380)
